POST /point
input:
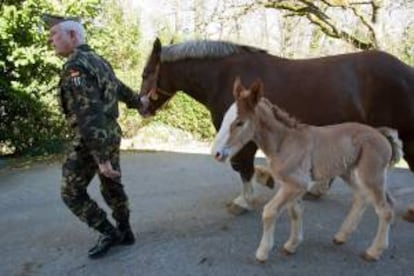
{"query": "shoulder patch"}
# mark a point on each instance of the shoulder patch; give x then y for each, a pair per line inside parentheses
(74, 72)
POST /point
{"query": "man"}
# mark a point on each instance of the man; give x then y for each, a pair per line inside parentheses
(89, 93)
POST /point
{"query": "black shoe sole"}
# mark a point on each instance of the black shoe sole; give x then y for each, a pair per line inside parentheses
(126, 242)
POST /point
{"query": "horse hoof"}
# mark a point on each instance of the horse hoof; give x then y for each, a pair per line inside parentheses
(311, 197)
(367, 257)
(263, 176)
(235, 209)
(338, 242)
(409, 215)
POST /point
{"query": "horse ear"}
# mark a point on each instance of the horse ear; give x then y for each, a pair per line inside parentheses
(238, 88)
(156, 48)
(256, 89)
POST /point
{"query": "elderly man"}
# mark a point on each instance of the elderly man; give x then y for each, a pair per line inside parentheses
(89, 94)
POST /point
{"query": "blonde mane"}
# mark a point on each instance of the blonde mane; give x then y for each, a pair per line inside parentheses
(282, 116)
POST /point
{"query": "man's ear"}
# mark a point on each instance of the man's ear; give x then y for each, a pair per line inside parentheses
(72, 34)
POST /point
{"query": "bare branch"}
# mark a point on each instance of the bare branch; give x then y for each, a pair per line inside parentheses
(327, 25)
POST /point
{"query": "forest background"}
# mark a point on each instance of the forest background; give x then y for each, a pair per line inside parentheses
(123, 31)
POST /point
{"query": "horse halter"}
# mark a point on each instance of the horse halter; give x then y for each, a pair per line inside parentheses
(155, 91)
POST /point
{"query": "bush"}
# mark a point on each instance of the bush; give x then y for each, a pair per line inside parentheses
(185, 113)
(28, 126)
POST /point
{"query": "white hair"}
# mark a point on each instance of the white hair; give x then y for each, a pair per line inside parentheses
(77, 27)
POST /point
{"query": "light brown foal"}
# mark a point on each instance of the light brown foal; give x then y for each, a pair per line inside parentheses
(300, 155)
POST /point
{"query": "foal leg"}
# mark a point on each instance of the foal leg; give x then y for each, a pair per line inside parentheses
(270, 212)
(385, 215)
(295, 210)
(372, 173)
(359, 205)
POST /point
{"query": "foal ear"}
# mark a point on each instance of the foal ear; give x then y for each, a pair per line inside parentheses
(256, 89)
(238, 89)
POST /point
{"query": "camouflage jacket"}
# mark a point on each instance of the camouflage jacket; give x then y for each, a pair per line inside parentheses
(89, 94)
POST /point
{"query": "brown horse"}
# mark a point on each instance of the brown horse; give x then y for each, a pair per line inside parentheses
(299, 154)
(371, 87)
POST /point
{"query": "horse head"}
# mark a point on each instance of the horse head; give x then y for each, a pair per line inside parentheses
(238, 126)
(151, 94)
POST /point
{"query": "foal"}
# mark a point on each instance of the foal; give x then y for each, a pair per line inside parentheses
(300, 155)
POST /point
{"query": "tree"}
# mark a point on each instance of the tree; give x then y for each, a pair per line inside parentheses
(24, 77)
(29, 121)
(360, 23)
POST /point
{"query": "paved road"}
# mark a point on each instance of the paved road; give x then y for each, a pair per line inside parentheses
(178, 202)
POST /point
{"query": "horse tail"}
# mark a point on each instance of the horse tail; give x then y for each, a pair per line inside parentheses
(395, 141)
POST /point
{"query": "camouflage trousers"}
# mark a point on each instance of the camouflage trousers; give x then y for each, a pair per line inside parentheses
(77, 172)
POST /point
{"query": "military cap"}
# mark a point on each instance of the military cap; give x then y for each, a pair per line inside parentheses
(51, 20)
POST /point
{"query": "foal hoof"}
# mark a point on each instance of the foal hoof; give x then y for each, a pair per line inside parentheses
(337, 242)
(367, 257)
(235, 209)
(286, 252)
(409, 215)
(260, 261)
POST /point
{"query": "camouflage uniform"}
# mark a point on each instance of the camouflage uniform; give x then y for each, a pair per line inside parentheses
(89, 94)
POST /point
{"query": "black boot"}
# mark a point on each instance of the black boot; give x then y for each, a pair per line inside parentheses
(126, 235)
(109, 237)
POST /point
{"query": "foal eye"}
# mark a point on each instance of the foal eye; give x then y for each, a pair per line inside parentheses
(239, 123)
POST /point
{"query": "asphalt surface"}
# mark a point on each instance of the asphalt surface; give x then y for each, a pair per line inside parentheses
(179, 215)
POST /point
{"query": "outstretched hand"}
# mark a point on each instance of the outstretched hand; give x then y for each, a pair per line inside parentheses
(106, 170)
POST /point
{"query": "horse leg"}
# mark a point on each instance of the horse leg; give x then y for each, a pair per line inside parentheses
(243, 163)
(408, 147)
(409, 214)
(264, 177)
(287, 194)
(295, 211)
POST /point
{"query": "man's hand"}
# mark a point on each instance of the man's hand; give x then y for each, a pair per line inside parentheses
(106, 170)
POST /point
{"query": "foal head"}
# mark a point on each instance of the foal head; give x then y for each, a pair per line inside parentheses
(239, 123)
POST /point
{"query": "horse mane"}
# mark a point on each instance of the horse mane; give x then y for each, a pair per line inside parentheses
(204, 49)
(282, 116)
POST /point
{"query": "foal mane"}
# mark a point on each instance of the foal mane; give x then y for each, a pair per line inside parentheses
(282, 116)
(204, 49)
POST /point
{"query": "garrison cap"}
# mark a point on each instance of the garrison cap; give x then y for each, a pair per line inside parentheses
(51, 20)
